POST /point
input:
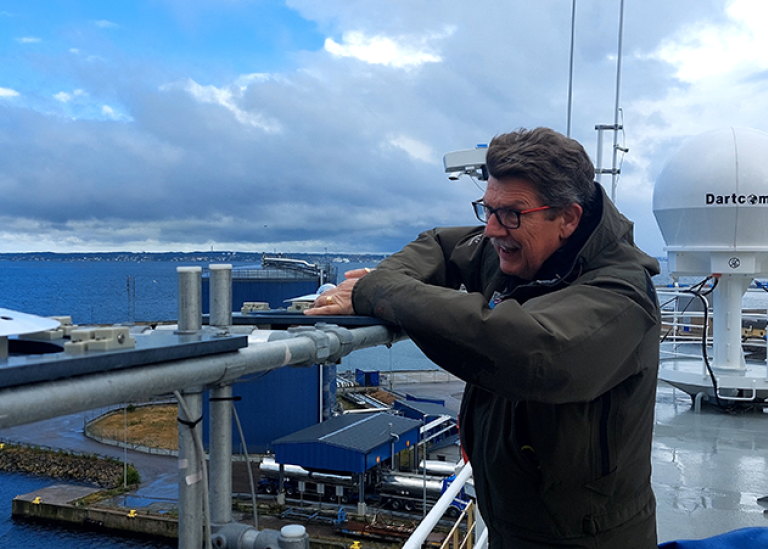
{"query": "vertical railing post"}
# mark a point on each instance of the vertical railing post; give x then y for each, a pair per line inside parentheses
(220, 403)
(220, 437)
(190, 472)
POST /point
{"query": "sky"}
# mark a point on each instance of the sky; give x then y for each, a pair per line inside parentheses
(306, 126)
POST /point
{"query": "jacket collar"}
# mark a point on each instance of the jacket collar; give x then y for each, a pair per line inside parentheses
(603, 226)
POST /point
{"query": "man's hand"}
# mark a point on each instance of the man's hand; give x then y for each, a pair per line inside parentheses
(338, 300)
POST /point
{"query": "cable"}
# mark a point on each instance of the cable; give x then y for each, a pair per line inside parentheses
(693, 289)
(697, 292)
(248, 466)
(477, 184)
(204, 469)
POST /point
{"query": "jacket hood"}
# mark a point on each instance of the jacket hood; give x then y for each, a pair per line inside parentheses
(613, 240)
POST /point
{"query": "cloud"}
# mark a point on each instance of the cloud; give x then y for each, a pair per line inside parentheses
(104, 24)
(398, 52)
(7, 92)
(342, 147)
(65, 97)
(739, 45)
(28, 40)
(229, 98)
(414, 148)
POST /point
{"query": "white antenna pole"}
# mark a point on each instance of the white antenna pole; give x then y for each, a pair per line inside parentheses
(570, 71)
(614, 170)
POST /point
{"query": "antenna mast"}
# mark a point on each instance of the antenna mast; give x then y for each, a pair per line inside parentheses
(614, 170)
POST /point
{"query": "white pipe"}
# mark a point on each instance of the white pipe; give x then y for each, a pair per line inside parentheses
(430, 521)
(614, 167)
(726, 324)
(570, 69)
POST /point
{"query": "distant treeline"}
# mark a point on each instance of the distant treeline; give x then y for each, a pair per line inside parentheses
(190, 257)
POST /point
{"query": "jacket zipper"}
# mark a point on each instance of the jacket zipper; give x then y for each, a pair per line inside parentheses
(605, 450)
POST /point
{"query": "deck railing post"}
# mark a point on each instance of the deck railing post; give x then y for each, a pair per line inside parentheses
(190, 472)
(220, 406)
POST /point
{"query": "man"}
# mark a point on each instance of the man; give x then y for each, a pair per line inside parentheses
(556, 336)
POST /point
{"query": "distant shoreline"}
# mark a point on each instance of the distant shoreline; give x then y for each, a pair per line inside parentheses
(187, 257)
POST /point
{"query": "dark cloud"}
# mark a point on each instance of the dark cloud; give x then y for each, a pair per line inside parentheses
(341, 153)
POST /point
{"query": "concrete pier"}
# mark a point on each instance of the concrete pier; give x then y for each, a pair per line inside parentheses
(57, 503)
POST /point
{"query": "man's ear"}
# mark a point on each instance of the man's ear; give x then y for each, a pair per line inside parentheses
(570, 217)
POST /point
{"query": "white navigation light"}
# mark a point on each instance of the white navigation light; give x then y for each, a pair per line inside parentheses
(711, 203)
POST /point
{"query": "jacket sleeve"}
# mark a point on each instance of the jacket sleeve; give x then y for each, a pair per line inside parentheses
(428, 259)
(569, 345)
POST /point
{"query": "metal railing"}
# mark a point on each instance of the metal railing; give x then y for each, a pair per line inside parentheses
(416, 376)
(474, 535)
(682, 324)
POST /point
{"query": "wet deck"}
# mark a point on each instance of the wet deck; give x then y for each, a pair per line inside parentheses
(709, 469)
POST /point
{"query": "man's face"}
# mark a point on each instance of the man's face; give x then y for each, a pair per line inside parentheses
(524, 250)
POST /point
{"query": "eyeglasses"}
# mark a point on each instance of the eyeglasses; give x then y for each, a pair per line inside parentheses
(508, 218)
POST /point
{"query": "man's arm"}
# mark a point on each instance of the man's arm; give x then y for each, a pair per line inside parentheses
(426, 259)
(565, 346)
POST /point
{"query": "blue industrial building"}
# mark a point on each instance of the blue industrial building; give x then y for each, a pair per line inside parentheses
(352, 443)
(283, 401)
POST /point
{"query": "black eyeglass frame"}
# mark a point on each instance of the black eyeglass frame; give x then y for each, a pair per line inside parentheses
(483, 212)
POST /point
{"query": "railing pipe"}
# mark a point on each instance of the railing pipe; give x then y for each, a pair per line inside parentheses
(29, 403)
(191, 479)
(419, 535)
(220, 435)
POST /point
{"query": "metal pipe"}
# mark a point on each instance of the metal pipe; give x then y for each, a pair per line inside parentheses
(220, 302)
(430, 521)
(251, 483)
(190, 471)
(322, 392)
(599, 167)
(220, 437)
(29, 403)
(190, 299)
(726, 323)
(614, 167)
(570, 69)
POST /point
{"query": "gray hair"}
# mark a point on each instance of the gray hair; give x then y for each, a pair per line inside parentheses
(557, 165)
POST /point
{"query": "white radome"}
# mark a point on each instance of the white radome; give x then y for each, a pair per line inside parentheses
(711, 203)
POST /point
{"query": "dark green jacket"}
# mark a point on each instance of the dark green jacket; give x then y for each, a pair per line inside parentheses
(557, 414)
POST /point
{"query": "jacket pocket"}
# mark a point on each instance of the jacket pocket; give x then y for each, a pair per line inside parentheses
(605, 466)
